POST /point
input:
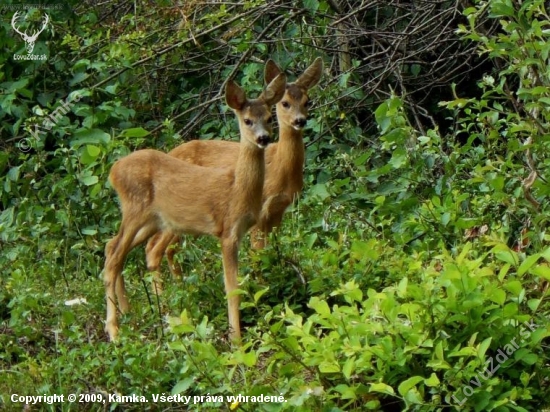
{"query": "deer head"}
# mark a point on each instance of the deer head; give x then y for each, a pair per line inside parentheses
(292, 110)
(30, 40)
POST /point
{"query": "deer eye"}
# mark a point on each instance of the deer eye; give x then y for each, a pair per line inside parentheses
(285, 104)
(248, 122)
(307, 103)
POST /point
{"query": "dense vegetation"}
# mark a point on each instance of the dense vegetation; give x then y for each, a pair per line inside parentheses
(413, 272)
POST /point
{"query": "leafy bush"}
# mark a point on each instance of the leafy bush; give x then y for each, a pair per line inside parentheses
(412, 274)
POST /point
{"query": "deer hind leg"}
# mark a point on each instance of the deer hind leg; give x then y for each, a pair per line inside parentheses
(230, 252)
(110, 279)
(121, 295)
(257, 238)
(154, 252)
(171, 251)
(116, 251)
(261, 232)
(270, 219)
(151, 245)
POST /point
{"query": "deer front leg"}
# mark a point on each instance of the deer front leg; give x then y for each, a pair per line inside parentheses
(230, 251)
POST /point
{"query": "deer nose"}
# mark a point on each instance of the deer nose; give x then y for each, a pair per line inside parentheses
(263, 140)
(300, 122)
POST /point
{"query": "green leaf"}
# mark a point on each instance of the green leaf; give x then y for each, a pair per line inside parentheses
(319, 191)
(183, 385)
(402, 287)
(482, 399)
(546, 254)
(464, 352)
(438, 364)
(319, 306)
(405, 386)
(534, 304)
(249, 359)
(92, 150)
(528, 263)
(498, 296)
(14, 86)
(399, 158)
(365, 250)
(432, 381)
(381, 388)
(351, 292)
(89, 180)
(498, 183)
(177, 346)
(510, 309)
(483, 346)
(311, 5)
(134, 132)
(413, 397)
(81, 65)
(380, 114)
(529, 359)
(90, 154)
(348, 367)
(415, 69)
(347, 392)
(111, 89)
(525, 378)
(329, 367)
(539, 334)
(513, 286)
(259, 294)
(460, 103)
(507, 255)
(310, 239)
(501, 8)
(77, 78)
(439, 351)
(90, 136)
(542, 271)
(13, 174)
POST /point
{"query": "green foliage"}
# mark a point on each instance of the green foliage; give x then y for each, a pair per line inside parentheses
(415, 262)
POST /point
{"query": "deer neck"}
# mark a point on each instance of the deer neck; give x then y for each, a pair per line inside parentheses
(290, 155)
(249, 178)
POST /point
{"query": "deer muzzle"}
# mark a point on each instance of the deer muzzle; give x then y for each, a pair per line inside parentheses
(262, 141)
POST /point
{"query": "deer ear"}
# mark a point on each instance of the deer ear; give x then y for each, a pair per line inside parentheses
(312, 75)
(271, 71)
(275, 90)
(234, 95)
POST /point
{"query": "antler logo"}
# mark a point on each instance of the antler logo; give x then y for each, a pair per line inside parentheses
(30, 40)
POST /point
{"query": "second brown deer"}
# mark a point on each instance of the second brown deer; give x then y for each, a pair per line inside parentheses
(160, 193)
(284, 161)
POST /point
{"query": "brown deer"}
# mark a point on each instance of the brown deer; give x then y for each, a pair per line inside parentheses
(159, 192)
(284, 161)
